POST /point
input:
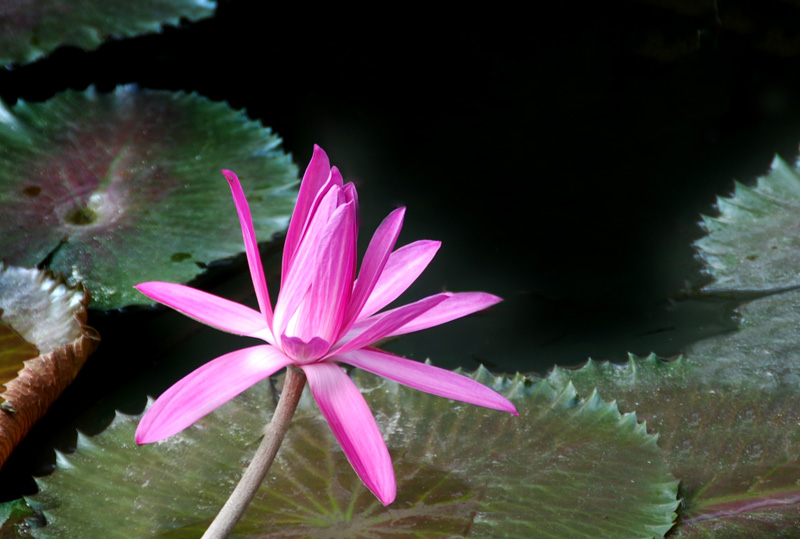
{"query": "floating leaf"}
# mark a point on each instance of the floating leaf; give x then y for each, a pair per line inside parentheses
(45, 325)
(728, 416)
(733, 439)
(116, 189)
(32, 28)
(12, 519)
(764, 351)
(13, 351)
(754, 243)
(567, 467)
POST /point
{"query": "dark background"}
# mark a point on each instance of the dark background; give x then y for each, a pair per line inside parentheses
(563, 157)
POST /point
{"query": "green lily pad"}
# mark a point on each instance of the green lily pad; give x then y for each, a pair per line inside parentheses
(44, 341)
(13, 516)
(566, 467)
(30, 29)
(728, 415)
(764, 351)
(754, 243)
(116, 189)
(731, 435)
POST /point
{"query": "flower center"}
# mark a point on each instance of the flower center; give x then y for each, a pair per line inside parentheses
(302, 352)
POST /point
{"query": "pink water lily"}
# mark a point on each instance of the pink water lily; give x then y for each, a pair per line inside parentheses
(324, 315)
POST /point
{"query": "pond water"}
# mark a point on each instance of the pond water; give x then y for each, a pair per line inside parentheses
(564, 169)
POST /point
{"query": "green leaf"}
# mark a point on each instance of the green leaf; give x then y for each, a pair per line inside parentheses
(566, 467)
(728, 416)
(12, 519)
(733, 439)
(30, 29)
(45, 341)
(117, 189)
(754, 243)
(764, 351)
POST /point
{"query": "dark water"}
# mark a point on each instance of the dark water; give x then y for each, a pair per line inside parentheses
(562, 158)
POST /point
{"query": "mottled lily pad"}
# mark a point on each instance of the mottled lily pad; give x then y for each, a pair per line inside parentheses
(754, 243)
(116, 189)
(45, 341)
(734, 444)
(32, 28)
(567, 467)
(728, 415)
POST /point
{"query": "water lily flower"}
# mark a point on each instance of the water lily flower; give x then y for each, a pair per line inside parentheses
(323, 316)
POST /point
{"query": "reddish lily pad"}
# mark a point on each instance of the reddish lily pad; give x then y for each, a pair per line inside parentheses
(116, 189)
(13, 351)
(32, 28)
(45, 343)
(567, 467)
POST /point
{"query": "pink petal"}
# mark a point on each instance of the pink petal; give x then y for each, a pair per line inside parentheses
(304, 352)
(378, 252)
(296, 280)
(372, 329)
(353, 425)
(209, 309)
(332, 283)
(207, 388)
(350, 195)
(328, 198)
(250, 245)
(323, 272)
(426, 378)
(401, 270)
(317, 173)
(456, 306)
(336, 179)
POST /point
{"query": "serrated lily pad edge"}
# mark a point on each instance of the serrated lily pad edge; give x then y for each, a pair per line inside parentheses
(517, 387)
(92, 38)
(24, 402)
(745, 202)
(275, 176)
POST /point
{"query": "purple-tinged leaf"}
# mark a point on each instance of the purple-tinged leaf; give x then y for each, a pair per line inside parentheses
(129, 188)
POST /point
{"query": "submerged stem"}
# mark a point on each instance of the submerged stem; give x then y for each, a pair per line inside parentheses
(254, 475)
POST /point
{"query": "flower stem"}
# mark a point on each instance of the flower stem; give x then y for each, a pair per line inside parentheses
(254, 475)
